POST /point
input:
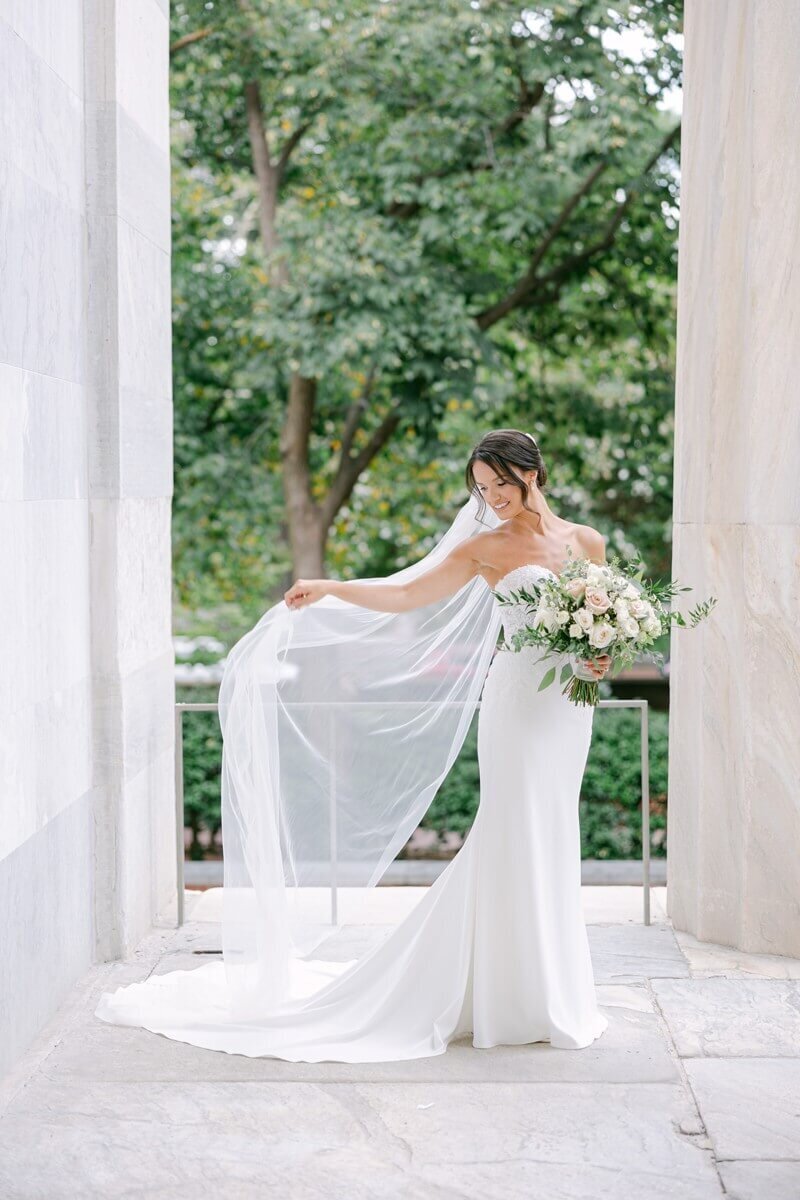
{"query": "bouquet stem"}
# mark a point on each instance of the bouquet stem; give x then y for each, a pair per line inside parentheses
(582, 691)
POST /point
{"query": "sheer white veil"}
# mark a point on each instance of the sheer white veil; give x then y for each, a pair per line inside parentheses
(339, 724)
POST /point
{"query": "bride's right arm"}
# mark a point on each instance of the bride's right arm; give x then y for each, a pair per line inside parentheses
(446, 578)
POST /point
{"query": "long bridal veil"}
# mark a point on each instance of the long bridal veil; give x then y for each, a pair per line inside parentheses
(339, 724)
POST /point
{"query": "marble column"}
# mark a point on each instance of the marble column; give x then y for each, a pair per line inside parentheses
(128, 384)
(87, 837)
(734, 786)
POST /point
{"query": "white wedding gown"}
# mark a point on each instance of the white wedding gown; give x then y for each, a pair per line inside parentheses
(497, 946)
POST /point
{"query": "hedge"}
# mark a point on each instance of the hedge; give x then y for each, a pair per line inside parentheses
(610, 797)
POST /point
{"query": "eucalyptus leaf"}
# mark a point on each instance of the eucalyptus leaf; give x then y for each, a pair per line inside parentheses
(547, 679)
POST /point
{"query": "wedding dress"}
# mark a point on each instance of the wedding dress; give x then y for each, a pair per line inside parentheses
(497, 945)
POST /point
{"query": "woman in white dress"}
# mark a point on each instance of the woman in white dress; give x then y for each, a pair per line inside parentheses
(497, 946)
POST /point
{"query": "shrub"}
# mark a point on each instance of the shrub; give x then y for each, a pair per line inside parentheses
(610, 800)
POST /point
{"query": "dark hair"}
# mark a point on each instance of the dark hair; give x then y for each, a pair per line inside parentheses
(503, 450)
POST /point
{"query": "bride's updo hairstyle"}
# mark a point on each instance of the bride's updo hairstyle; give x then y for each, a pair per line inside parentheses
(507, 451)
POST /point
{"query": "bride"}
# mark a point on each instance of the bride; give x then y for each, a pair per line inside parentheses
(342, 712)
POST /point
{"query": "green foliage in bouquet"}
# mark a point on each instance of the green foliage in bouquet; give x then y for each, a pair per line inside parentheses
(598, 608)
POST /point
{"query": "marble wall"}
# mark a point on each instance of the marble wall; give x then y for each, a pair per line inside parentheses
(734, 831)
(86, 691)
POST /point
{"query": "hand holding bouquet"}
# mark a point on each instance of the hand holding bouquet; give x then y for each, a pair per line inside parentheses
(598, 608)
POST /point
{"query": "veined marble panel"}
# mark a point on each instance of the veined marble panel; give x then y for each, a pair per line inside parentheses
(143, 181)
(42, 246)
(132, 540)
(42, 437)
(737, 425)
(733, 870)
(54, 32)
(44, 601)
(143, 707)
(733, 873)
(142, 65)
(145, 467)
(144, 626)
(41, 122)
(144, 795)
(46, 931)
(145, 348)
(161, 868)
(45, 762)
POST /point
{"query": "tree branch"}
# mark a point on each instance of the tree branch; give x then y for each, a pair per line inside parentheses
(189, 39)
(528, 287)
(350, 468)
(267, 178)
(356, 411)
(528, 282)
(289, 146)
(606, 239)
(529, 98)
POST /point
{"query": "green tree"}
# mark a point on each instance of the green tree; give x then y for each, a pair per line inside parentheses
(425, 205)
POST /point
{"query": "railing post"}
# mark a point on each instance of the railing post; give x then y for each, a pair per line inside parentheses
(332, 820)
(179, 813)
(645, 740)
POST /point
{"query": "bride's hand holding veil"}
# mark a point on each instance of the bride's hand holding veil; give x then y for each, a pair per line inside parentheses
(305, 591)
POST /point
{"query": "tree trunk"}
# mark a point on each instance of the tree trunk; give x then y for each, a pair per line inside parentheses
(306, 534)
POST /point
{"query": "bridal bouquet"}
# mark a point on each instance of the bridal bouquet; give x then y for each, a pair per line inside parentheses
(605, 608)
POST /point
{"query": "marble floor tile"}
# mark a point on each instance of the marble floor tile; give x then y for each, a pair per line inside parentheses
(761, 1180)
(708, 958)
(631, 953)
(733, 1017)
(751, 1106)
(363, 1141)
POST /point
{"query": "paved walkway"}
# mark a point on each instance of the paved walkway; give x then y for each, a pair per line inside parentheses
(692, 1093)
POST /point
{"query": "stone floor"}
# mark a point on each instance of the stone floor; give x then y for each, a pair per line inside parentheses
(692, 1093)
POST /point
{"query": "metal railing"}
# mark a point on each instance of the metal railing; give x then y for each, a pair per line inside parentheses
(183, 707)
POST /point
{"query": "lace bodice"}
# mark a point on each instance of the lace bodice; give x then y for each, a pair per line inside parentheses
(515, 616)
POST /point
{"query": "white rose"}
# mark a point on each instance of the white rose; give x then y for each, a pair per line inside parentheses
(630, 627)
(545, 617)
(631, 592)
(597, 600)
(652, 627)
(575, 631)
(585, 619)
(621, 607)
(576, 588)
(540, 617)
(563, 616)
(601, 635)
(638, 608)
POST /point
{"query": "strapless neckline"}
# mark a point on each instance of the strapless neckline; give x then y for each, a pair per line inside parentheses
(523, 567)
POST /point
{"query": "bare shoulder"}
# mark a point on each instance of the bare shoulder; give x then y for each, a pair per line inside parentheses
(486, 549)
(591, 542)
(480, 554)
